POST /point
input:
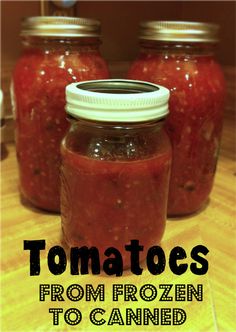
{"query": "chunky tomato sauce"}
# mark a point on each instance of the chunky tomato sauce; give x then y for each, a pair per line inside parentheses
(39, 79)
(110, 196)
(194, 123)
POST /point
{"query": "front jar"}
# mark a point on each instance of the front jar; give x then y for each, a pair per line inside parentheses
(180, 56)
(57, 51)
(115, 165)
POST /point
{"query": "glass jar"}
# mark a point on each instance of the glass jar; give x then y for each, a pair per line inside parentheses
(115, 165)
(180, 56)
(57, 51)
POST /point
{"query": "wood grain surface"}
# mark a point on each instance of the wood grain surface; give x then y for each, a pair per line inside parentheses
(213, 227)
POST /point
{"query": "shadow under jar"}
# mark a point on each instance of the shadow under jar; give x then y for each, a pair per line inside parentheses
(57, 51)
(180, 56)
(115, 165)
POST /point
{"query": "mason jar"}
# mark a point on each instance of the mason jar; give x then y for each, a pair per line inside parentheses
(180, 56)
(116, 161)
(56, 52)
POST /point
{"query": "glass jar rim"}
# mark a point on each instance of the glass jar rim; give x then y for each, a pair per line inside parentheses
(181, 31)
(117, 100)
(60, 26)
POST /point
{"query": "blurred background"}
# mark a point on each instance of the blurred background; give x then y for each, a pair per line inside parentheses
(119, 21)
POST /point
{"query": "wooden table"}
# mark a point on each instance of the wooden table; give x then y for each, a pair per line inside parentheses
(214, 227)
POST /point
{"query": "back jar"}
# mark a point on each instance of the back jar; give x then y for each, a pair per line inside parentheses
(56, 51)
(180, 56)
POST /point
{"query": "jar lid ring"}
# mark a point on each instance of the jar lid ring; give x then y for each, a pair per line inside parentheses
(117, 100)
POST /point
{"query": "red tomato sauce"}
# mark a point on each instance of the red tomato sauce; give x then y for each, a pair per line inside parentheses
(106, 203)
(194, 124)
(39, 80)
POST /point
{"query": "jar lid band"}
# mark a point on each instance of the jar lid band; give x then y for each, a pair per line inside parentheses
(179, 31)
(117, 100)
(60, 26)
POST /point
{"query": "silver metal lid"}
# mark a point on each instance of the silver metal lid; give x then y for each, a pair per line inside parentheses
(53, 26)
(179, 31)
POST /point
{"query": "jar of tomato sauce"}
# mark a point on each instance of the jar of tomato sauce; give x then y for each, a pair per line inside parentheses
(115, 165)
(57, 51)
(180, 56)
